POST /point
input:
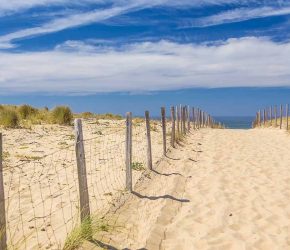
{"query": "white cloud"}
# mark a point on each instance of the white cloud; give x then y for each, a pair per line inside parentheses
(116, 8)
(147, 67)
(238, 15)
(66, 22)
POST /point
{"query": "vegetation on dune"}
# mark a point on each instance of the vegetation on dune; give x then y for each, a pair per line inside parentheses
(85, 232)
(25, 116)
(9, 118)
(109, 116)
(62, 115)
(26, 111)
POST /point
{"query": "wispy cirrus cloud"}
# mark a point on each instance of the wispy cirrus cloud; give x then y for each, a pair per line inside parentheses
(63, 23)
(254, 62)
(238, 15)
(105, 10)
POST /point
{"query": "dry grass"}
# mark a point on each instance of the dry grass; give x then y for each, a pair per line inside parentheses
(25, 116)
(85, 232)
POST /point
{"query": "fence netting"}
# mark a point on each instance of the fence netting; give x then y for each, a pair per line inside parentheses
(42, 193)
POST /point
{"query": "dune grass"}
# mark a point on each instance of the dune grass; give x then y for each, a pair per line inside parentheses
(24, 116)
(62, 115)
(9, 118)
(84, 232)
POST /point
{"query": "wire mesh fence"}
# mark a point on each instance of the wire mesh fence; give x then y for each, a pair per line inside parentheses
(42, 194)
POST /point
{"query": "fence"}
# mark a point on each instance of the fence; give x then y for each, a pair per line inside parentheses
(273, 116)
(43, 199)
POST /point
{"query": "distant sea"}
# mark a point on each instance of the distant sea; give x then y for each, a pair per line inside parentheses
(231, 122)
(236, 122)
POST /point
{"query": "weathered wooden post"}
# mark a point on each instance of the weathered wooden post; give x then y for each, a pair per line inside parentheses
(200, 118)
(184, 119)
(275, 114)
(173, 127)
(82, 171)
(188, 118)
(148, 133)
(129, 151)
(281, 115)
(271, 115)
(3, 235)
(193, 118)
(264, 117)
(197, 118)
(287, 114)
(181, 119)
(177, 121)
(259, 118)
(163, 121)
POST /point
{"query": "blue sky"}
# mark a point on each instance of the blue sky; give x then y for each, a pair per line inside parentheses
(160, 50)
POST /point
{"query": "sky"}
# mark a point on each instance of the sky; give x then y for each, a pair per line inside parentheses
(126, 55)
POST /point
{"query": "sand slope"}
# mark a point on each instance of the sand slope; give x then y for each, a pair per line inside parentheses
(226, 189)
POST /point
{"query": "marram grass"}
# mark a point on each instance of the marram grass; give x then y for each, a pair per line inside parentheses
(84, 232)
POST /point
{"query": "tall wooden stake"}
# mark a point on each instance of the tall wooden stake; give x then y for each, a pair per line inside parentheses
(148, 133)
(173, 127)
(287, 114)
(275, 113)
(82, 172)
(3, 236)
(177, 121)
(163, 121)
(129, 151)
(281, 116)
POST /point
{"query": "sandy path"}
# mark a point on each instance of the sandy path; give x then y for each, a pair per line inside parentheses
(227, 189)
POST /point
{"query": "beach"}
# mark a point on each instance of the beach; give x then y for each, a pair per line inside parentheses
(221, 189)
(41, 177)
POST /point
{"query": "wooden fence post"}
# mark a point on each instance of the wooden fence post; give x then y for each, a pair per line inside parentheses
(183, 120)
(193, 118)
(271, 116)
(177, 121)
(3, 236)
(188, 118)
(148, 133)
(287, 114)
(196, 118)
(173, 127)
(82, 172)
(163, 121)
(264, 117)
(199, 118)
(129, 151)
(281, 115)
(275, 113)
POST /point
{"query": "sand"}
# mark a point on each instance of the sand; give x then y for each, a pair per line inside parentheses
(41, 181)
(223, 189)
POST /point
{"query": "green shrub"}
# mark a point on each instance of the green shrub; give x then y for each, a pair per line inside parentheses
(26, 111)
(9, 118)
(62, 115)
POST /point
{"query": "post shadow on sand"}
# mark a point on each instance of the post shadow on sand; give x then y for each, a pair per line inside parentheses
(175, 159)
(165, 174)
(103, 245)
(153, 198)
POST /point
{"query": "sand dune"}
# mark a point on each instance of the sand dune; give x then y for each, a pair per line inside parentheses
(226, 189)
